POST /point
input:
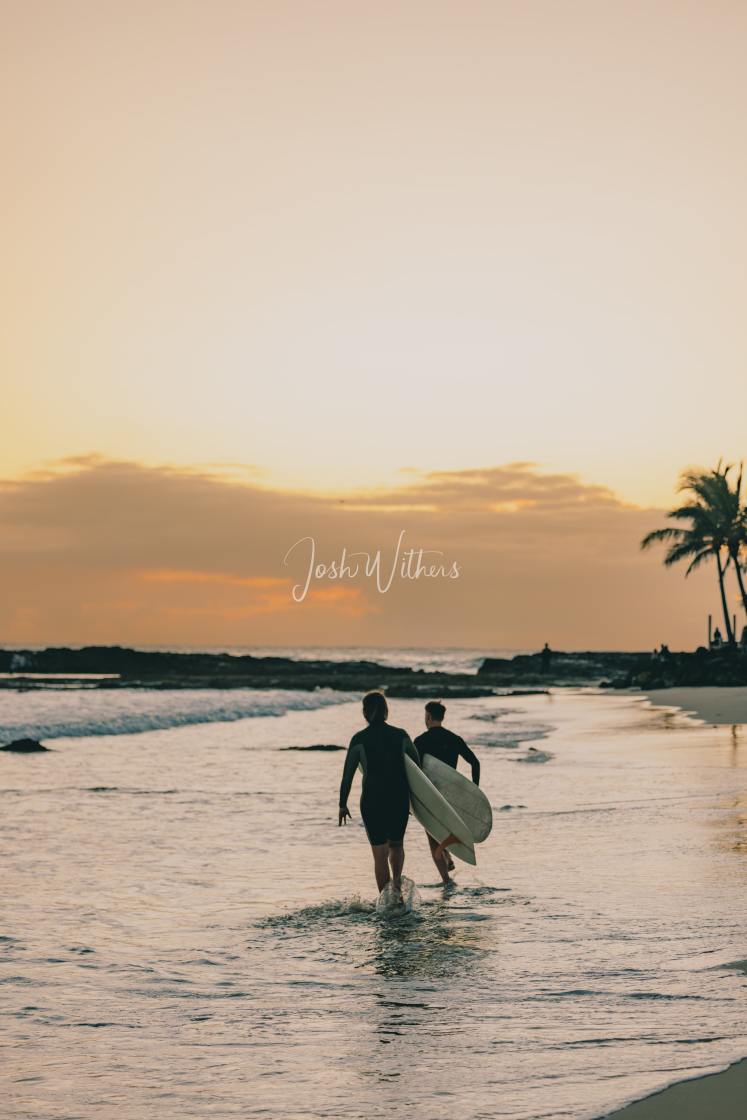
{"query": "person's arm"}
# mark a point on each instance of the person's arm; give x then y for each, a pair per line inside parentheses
(409, 748)
(472, 759)
(352, 758)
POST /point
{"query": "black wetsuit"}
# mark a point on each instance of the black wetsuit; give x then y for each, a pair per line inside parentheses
(385, 799)
(448, 747)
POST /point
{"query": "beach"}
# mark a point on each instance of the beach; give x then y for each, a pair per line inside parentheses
(720, 1095)
(185, 924)
(712, 705)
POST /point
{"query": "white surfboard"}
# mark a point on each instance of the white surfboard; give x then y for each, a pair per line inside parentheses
(463, 795)
(390, 902)
(437, 816)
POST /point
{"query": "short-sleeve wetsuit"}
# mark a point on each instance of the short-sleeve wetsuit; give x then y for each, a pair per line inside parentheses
(444, 744)
(385, 799)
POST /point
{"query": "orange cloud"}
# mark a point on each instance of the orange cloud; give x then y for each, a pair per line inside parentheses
(273, 594)
(225, 578)
(100, 551)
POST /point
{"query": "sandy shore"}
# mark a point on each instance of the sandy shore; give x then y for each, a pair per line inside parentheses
(720, 1095)
(714, 705)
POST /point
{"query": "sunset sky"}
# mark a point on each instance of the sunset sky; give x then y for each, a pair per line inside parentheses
(343, 269)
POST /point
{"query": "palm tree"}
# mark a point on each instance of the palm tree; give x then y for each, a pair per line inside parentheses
(715, 517)
(729, 501)
(738, 539)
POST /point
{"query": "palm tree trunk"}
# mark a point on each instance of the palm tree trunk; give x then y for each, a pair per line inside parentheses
(724, 604)
(740, 581)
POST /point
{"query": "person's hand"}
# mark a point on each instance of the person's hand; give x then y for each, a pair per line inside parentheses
(344, 812)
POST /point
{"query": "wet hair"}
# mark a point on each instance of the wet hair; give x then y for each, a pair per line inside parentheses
(375, 708)
(436, 710)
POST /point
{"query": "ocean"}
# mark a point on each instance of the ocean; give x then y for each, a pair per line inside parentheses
(187, 933)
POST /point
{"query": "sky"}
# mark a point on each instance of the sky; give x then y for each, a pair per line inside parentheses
(324, 251)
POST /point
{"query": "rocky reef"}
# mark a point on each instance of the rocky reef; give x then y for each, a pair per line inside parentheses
(119, 667)
(722, 667)
(726, 666)
(558, 668)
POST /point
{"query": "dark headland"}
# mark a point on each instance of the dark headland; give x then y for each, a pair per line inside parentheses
(119, 667)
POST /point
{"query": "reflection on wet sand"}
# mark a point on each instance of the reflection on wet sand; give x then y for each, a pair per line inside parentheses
(731, 823)
(430, 944)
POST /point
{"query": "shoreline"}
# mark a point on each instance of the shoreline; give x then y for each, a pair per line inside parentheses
(721, 1094)
(715, 705)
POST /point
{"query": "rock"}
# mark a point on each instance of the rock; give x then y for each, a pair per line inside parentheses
(24, 746)
(316, 747)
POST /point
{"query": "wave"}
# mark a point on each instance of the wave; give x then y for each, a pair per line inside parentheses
(55, 714)
(443, 659)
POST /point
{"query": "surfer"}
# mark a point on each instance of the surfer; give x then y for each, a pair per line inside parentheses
(379, 749)
(449, 748)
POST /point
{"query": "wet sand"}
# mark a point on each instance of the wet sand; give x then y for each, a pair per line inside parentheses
(714, 705)
(168, 958)
(721, 1095)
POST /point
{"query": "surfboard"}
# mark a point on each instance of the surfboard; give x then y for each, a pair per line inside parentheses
(437, 816)
(390, 903)
(463, 795)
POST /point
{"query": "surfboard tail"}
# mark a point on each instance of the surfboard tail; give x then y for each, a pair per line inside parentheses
(436, 815)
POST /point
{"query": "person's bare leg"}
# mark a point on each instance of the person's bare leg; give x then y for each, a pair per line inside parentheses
(397, 861)
(442, 849)
(441, 861)
(381, 864)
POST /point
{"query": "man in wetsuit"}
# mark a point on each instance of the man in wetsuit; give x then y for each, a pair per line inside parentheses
(385, 799)
(447, 746)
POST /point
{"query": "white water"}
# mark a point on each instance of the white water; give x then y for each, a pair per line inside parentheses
(51, 713)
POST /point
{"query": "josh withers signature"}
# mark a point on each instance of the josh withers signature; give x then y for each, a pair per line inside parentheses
(407, 563)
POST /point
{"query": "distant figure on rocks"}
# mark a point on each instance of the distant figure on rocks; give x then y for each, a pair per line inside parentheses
(717, 641)
(546, 656)
(385, 798)
(444, 744)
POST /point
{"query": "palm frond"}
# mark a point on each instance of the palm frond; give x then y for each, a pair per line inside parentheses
(661, 535)
(686, 549)
(700, 558)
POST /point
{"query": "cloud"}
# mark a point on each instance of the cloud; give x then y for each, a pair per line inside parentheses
(99, 550)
